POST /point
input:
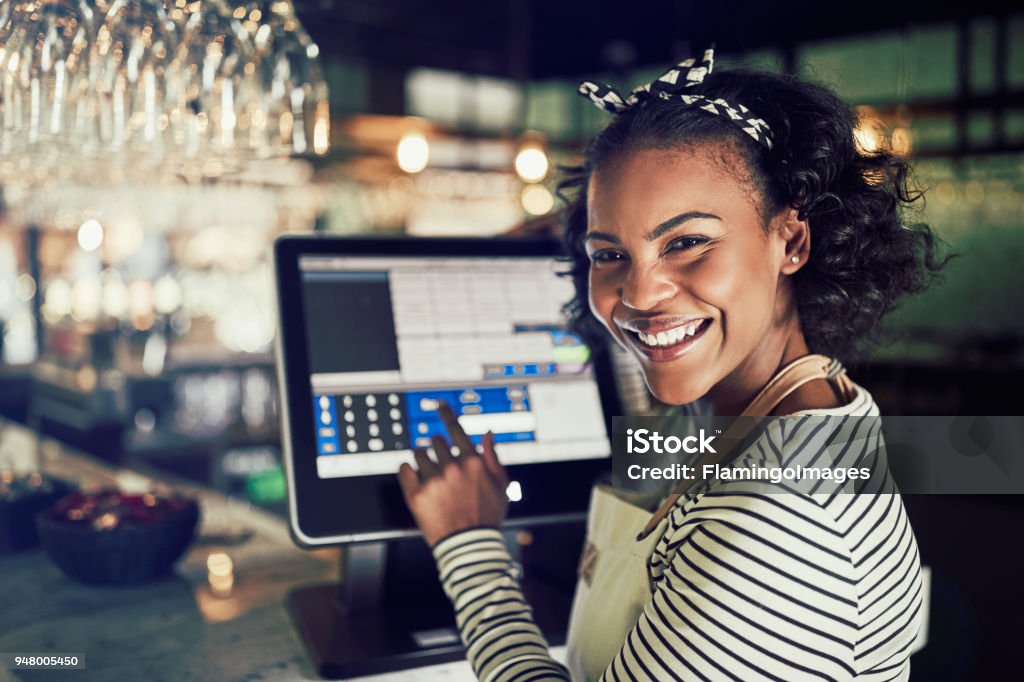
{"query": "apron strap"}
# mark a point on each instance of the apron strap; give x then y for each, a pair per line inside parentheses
(786, 380)
(793, 376)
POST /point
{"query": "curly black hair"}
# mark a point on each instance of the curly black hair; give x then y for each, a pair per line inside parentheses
(864, 256)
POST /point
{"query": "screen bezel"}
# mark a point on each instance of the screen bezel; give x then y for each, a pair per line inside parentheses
(563, 487)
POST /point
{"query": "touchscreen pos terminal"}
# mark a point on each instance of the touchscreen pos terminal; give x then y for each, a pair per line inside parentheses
(373, 334)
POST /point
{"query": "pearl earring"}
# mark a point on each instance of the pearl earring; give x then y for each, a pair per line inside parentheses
(795, 259)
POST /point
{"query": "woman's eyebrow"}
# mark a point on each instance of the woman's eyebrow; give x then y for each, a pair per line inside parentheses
(676, 221)
(603, 236)
(658, 231)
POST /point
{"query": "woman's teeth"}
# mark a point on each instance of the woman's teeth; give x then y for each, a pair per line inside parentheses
(671, 336)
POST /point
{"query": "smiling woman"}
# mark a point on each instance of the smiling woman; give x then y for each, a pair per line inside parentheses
(729, 233)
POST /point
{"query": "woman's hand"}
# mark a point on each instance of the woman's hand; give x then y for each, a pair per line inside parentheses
(455, 493)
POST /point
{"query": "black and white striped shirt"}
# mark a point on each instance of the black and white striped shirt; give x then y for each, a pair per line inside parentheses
(745, 585)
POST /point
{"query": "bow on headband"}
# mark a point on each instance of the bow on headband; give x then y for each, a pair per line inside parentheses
(672, 85)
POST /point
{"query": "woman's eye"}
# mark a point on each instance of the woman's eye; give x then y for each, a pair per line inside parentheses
(605, 256)
(685, 243)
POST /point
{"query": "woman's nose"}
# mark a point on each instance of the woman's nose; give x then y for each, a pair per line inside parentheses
(645, 288)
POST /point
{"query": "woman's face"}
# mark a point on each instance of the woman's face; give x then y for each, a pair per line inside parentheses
(683, 273)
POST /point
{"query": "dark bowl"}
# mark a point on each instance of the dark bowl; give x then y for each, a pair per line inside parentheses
(132, 551)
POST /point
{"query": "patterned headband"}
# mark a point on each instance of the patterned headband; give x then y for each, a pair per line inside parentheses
(672, 85)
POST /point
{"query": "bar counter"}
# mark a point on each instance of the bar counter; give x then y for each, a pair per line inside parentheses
(175, 629)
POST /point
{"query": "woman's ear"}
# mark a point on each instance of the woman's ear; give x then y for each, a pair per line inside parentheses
(795, 237)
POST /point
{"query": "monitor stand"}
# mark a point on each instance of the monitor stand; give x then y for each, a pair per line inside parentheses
(389, 612)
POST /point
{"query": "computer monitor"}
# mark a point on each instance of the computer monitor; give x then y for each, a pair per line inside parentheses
(374, 333)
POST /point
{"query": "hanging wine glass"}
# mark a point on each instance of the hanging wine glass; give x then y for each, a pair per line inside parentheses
(130, 91)
(293, 114)
(84, 119)
(212, 91)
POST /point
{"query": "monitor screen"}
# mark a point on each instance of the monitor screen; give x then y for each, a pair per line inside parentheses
(375, 332)
(388, 338)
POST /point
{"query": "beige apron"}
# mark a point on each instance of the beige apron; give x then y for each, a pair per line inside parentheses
(613, 587)
(614, 584)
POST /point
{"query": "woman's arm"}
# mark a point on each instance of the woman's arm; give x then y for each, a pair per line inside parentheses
(495, 620)
(459, 503)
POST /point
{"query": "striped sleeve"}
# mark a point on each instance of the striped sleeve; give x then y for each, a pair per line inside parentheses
(495, 621)
(751, 588)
